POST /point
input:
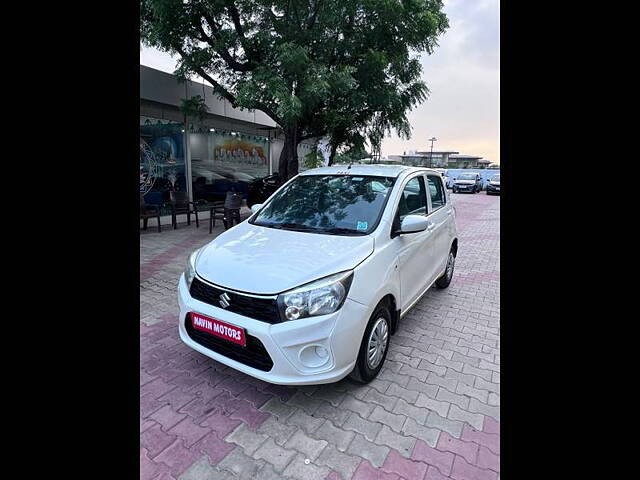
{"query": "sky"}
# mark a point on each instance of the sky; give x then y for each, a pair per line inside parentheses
(463, 77)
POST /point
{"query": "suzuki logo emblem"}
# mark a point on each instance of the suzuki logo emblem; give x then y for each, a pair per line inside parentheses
(225, 300)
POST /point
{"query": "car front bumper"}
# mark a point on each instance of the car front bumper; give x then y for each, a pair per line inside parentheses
(493, 190)
(290, 345)
(465, 188)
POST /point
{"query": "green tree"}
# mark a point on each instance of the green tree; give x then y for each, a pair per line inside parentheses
(316, 67)
(313, 159)
(193, 108)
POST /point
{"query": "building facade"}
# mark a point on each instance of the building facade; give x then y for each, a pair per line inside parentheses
(223, 151)
(467, 161)
(439, 159)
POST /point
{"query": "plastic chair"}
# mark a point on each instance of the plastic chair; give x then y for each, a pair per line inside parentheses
(148, 211)
(180, 205)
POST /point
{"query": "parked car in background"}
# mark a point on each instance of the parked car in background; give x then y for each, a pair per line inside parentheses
(445, 176)
(493, 186)
(262, 188)
(313, 285)
(468, 182)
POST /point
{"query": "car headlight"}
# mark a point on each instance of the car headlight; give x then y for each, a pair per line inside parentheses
(320, 297)
(190, 271)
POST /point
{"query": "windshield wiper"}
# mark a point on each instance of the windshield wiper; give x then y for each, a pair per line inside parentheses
(288, 226)
(298, 226)
(339, 230)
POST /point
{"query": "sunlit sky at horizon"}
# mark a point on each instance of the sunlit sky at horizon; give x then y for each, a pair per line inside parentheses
(463, 76)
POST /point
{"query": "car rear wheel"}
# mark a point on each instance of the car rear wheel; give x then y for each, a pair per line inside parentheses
(374, 346)
(445, 279)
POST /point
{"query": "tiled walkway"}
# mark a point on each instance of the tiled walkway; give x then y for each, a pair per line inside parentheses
(433, 412)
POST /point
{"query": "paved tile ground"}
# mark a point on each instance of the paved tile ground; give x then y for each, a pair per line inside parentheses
(433, 412)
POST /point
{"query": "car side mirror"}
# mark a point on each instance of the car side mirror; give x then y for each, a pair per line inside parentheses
(413, 224)
(256, 206)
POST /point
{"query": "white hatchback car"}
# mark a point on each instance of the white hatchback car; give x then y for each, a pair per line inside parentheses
(310, 288)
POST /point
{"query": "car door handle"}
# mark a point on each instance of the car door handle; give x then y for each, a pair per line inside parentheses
(431, 226)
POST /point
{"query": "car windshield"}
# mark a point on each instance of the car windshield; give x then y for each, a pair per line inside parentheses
(329, 204)
(467, 176)
(496, 178)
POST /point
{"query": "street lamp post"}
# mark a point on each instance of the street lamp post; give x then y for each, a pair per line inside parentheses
(432, 139)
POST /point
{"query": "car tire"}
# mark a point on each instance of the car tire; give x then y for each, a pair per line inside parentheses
(364, 371)
(445, 279)
(454, 190)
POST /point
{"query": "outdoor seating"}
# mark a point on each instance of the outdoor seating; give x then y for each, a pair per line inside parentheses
(180, 205)
(148, 211)
(227, 211)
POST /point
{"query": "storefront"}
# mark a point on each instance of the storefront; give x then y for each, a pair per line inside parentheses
(162, 159)
(224, 151)
(226, 160)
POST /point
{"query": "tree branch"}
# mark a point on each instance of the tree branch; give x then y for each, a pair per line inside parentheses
(223, 91)
(231, 62)
(235, 17)
(312, 20)
(312, 135)
(200, 71)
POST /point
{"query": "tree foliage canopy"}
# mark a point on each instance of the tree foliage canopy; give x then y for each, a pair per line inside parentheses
(316, 67)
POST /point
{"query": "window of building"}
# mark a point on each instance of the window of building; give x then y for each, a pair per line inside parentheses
(162, 160)
(223, 161)
(436, 190)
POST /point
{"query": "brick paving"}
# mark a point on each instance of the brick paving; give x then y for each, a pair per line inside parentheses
(432, 413)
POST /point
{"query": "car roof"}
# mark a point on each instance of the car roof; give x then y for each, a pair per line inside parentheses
(381, 170)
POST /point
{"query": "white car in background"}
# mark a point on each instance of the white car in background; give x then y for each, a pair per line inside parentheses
(313, 285)
(445, 176)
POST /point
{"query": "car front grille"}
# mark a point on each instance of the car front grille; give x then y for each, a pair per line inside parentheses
(253, 355)
(263, 309)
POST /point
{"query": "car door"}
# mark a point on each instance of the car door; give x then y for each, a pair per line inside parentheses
(415, 257)
(441, 220)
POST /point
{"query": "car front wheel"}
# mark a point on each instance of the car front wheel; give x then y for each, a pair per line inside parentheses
(374, 346)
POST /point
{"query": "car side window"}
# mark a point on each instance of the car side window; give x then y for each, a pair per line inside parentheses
(436, 190)
(413, 200)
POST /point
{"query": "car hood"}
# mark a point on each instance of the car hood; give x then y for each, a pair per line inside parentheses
(497, 184)
(263, 260)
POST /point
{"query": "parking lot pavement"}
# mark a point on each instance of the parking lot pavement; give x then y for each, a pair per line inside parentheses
(433, 412)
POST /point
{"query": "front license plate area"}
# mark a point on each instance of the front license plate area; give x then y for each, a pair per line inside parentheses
(219, 329)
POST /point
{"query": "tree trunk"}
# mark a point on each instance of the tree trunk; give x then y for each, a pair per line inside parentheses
(332, 155)
(288, 161)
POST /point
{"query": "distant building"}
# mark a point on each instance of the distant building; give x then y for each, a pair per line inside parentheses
(382, 161)
(441, 159)
(425, 159)
(467, 161)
